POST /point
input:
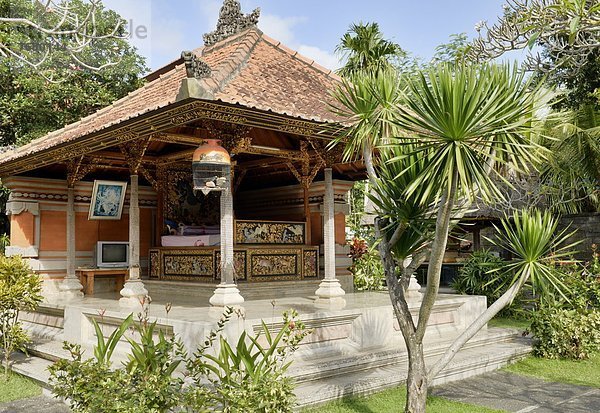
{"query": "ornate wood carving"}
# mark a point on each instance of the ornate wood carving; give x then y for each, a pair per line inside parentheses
(77, 169)
(329, 155)
(307, 175)
(134, 153)
(234, 138)
(231, 21)
(161, 120)
(194, 66)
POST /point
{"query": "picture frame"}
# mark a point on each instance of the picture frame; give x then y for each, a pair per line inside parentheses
(108, 198)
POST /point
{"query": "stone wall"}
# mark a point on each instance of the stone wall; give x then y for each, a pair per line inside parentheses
(588, 232)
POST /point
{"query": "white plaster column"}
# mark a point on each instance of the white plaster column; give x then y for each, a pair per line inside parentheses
(71, 287)
(134, 291)
(330, 291)
(226, 293)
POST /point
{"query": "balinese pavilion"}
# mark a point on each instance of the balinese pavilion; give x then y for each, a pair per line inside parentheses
(214, 184)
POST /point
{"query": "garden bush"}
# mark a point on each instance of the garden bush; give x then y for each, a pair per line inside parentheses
(565, 333)
(161, 377)
(366, 267)
(482, 274)
(20, 290)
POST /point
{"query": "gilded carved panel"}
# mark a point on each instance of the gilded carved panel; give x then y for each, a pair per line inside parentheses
(268, 232)
(310, 263)
(239, 265)
(154, 257)
(188, 266)
(275, 264)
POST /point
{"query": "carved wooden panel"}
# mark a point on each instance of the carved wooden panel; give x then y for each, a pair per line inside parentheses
(275, 264)
(188, 265)
(154, 264)
(269, 232)
(239, 265)
(310, 263)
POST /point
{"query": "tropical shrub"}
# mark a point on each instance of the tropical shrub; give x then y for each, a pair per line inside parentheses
(146, 384)
(246, 377)
(20, 290)
(368, 270)
(250, 376)
(565, 333)
(4, 242)
(482, 274)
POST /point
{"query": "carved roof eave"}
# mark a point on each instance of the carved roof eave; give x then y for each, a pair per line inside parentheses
(159, 120)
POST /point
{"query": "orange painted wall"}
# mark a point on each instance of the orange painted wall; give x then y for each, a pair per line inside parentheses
(53, 231)
(109, 230)
(22, 229)
(86, 232)
(340, 229)
(53, 226)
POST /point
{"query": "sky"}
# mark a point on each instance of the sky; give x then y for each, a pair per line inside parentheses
(161, 29)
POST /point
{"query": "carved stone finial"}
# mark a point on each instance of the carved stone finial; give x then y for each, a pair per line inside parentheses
(231, 21)
(194, 66)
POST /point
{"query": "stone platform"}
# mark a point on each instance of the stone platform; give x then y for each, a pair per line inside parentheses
(352, 350)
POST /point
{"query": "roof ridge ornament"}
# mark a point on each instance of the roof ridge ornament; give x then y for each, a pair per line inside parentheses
(231, 21)
(194, 66)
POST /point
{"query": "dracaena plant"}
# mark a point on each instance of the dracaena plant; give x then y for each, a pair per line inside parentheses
(454, 129)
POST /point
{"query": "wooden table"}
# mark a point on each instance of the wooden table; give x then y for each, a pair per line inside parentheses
(87, 275)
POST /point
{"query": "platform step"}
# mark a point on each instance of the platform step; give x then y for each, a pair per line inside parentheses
(318, 368)
(467, 363)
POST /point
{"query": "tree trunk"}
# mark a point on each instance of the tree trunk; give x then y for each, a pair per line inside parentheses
(477, 325)
(416, 382)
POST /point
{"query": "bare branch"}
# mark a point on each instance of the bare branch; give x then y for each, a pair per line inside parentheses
(58, 25)
(569, 30)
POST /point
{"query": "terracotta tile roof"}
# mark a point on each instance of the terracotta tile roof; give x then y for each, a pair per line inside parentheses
(248, 69)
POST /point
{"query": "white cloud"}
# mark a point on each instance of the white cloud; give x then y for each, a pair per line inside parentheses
(322, 57)
(282, 29)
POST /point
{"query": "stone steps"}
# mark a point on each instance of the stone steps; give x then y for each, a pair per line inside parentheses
(352, 361)
(468, 362)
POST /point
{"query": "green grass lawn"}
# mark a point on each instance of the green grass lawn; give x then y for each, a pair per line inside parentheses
(585, 372)
(504, 322)
(393, 400)
(17, 387)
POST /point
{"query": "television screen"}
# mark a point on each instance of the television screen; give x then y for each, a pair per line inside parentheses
(114, 253)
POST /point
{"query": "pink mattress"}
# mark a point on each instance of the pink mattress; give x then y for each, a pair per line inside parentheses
(190, 240)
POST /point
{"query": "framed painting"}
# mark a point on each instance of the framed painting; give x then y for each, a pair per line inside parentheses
(108, 198)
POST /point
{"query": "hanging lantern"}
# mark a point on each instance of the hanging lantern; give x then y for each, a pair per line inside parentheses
(211, 167)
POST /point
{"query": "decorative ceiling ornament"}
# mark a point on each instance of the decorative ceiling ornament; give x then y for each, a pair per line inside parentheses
(194, 66)
(234, 138)
(231, 21)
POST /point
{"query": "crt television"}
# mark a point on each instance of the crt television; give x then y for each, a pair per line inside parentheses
(112, 254)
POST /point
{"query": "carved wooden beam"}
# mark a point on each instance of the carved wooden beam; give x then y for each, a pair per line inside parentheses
(176, 138)
(177, 156)
(134, 152)
(77, 169)
(329, 155)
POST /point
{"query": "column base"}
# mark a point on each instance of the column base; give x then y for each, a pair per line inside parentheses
(226, 295)
(329, 289)
(133, 294)
(414, 290)
(70, 289)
